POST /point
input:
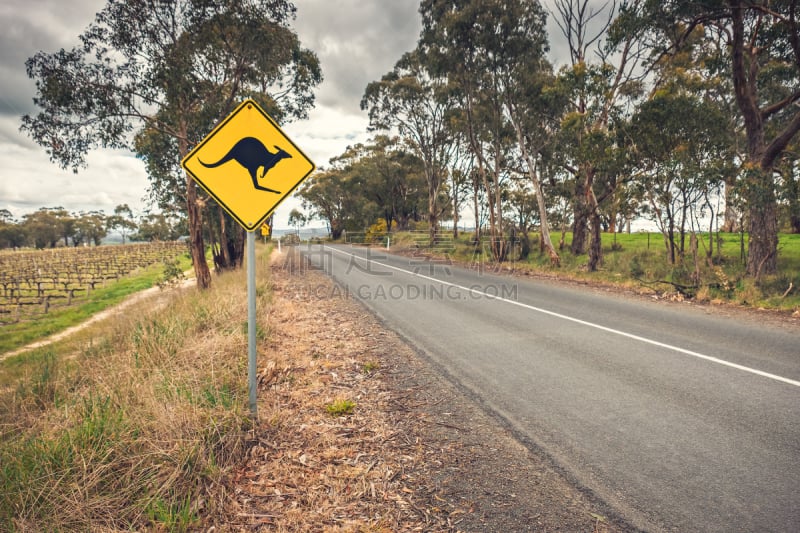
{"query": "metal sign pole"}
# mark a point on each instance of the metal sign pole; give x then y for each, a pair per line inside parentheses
(251, 322)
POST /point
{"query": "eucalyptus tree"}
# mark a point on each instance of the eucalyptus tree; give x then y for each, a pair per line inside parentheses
(598, 88)
(155, 227)
(155, 76)
(533, 112)
(326, 194)
(90, 228)
(488, 50)
(461, 181)
(43, 227)
(762, 49)
(416, 104)
(680, 147)
(339, 195)
(122, 220)
(12, 234)
(297, 219)
(392, 179)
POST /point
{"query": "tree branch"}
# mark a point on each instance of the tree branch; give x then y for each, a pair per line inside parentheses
(779, 144)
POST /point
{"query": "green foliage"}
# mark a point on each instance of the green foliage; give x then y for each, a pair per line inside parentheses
(367, 182)
(262, 332)
(155, 77)
(175, 513)
(172, 274)
(340, 407)
(297, 219)
(41, 386)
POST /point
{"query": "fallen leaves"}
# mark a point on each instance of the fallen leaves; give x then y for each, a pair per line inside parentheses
(316, 462)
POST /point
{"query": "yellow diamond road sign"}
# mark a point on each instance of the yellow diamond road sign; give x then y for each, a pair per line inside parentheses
(248, 165)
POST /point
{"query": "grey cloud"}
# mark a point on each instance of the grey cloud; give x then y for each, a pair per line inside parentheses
(28, 27)
(357, 42)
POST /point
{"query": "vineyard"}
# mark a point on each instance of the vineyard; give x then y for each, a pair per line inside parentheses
(35, 281)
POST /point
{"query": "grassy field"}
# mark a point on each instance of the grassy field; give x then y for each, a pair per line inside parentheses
(639, 261)
(124, 425)
(19, 334)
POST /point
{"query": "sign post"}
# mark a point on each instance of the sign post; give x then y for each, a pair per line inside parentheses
(251, 323)
(249, 166)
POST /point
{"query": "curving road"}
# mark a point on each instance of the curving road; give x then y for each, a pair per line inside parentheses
(680, 420)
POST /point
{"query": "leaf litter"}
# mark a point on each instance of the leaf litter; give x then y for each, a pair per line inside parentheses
(413, 453)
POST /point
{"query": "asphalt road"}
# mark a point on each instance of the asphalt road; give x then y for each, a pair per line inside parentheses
(679, 419)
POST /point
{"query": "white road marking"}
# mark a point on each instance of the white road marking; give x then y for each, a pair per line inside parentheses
(585, 323)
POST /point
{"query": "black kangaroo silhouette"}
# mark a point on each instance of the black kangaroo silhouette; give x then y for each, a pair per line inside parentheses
(251, 154)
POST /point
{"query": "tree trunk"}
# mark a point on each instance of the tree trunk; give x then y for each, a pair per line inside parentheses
(195, 215)
(595, 242)
(499, 244)
(794, 223)
(595, 225)
(223, 240)
(476, 188)
(545, 242)
(759, 190)
(196, 244)
(580, 223)
(731, 217)
(433, 221)
(762, 252)
(455, 212)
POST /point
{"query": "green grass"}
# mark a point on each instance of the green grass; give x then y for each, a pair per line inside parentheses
(340, 407)
(130, 424)
(639, 260)
(56, 320)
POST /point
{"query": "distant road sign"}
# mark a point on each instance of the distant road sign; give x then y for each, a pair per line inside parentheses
(248, 165)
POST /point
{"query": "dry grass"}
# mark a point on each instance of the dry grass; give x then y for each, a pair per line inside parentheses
(130, 430)
(327, 456)
(144, 426)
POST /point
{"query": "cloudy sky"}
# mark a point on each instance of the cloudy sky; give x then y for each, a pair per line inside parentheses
(357, 41)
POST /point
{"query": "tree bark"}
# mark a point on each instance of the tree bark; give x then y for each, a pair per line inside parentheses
(730, 223)
(595, 242)
(546, 242)
(195, 215)
(580, 222)
(223, 240)
(455, 211)
(433, 221)
(476, 187)
(762, 251)
(759, 190)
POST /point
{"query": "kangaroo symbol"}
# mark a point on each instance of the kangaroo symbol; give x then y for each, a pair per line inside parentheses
(252, 154)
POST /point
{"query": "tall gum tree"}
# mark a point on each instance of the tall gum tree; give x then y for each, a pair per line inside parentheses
(762, 41)
(415, 103)
(155, 76)
(532, 113)
(483, 47)
(599, 84)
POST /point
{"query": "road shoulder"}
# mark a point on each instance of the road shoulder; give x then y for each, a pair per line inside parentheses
(446, 463)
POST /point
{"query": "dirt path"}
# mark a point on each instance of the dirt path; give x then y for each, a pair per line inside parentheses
(415, 453)
(150, 293)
